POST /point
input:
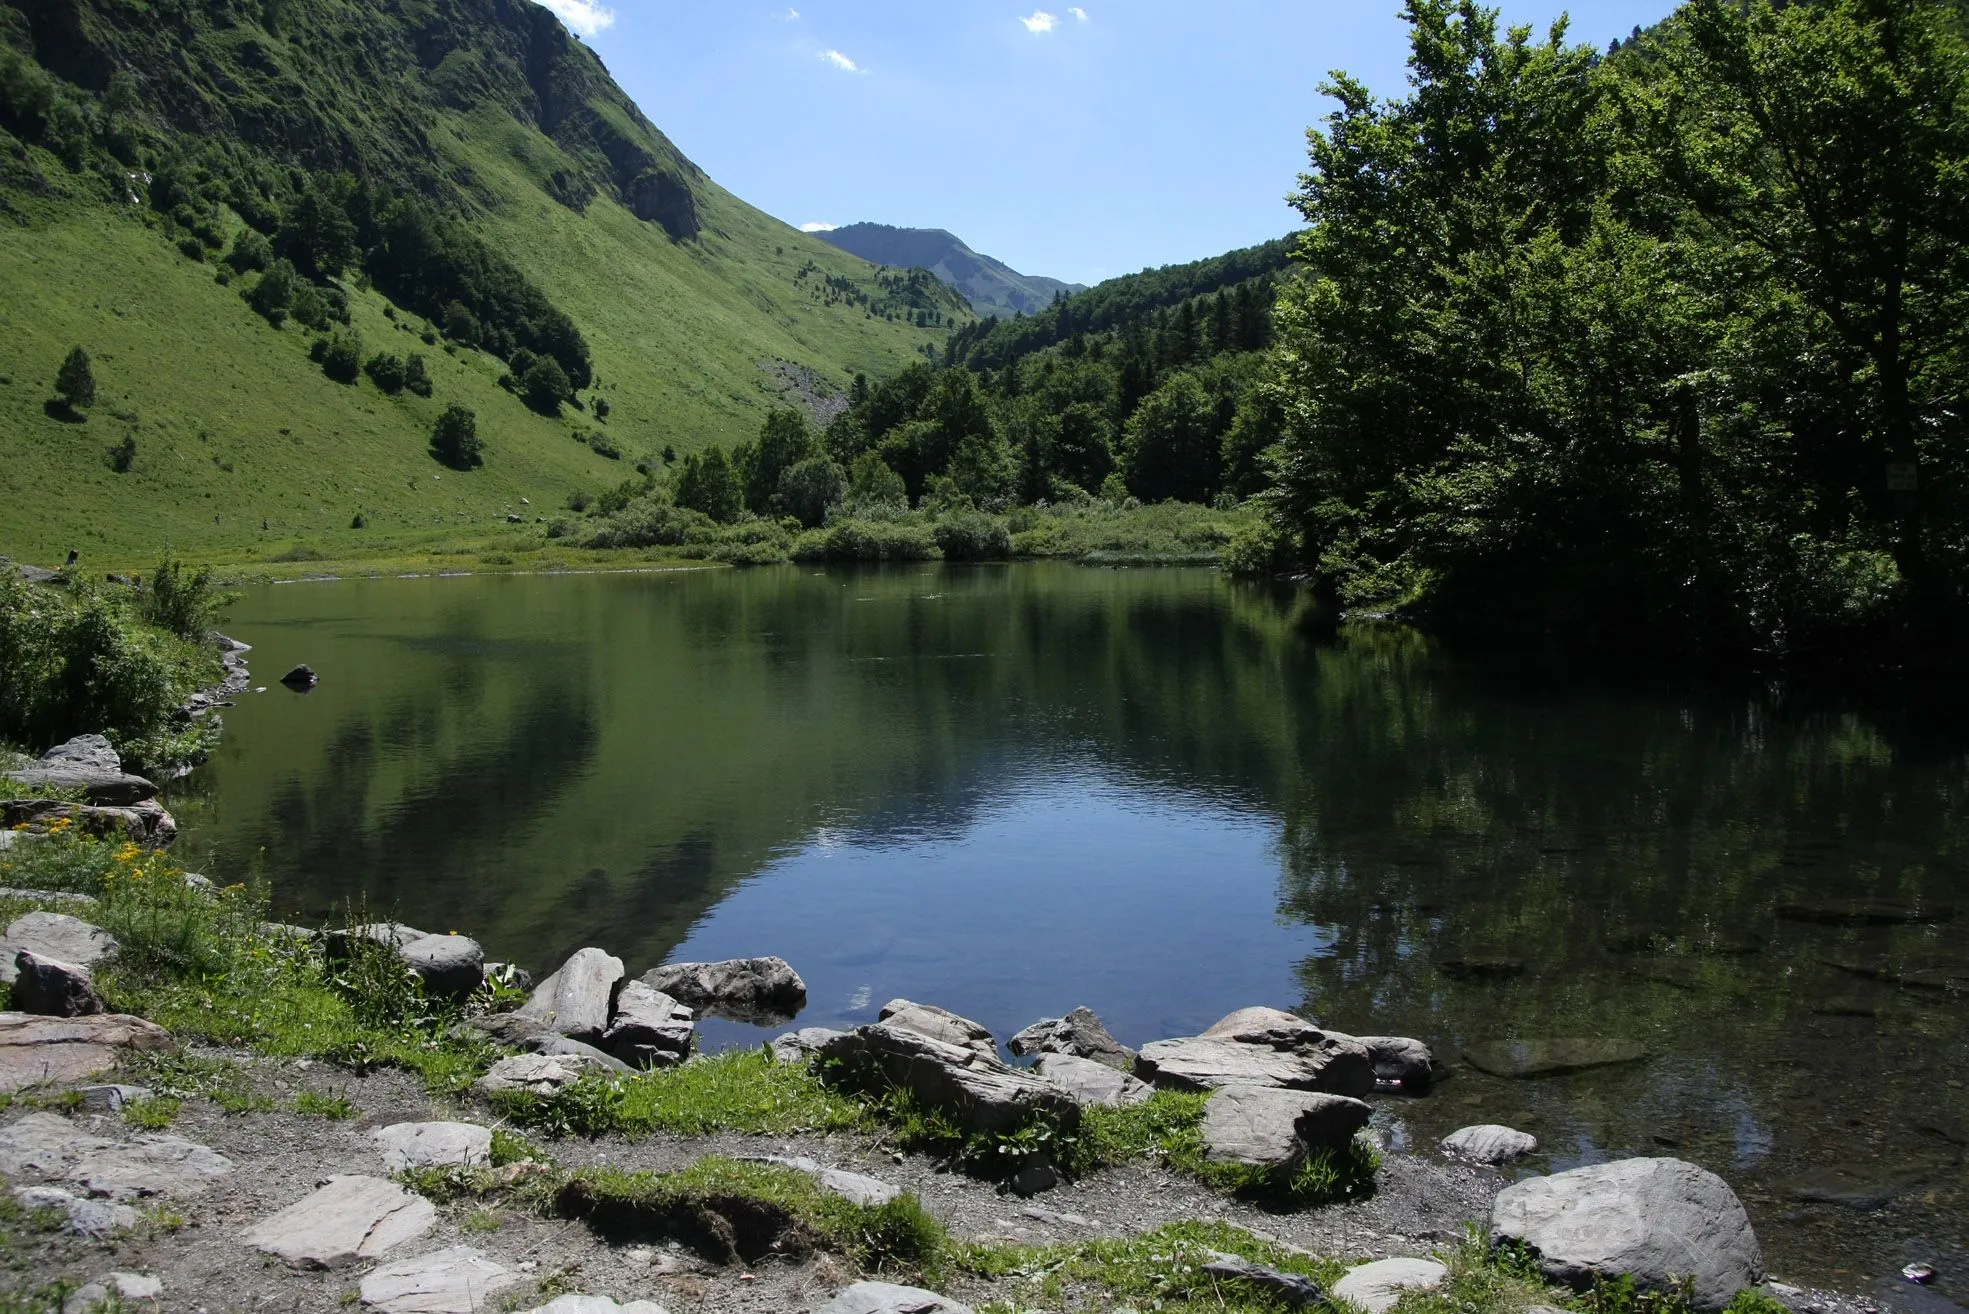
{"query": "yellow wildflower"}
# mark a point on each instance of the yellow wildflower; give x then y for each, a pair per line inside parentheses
(128, 852)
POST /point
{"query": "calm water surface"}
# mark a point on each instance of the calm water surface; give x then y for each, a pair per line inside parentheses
(1014, 790)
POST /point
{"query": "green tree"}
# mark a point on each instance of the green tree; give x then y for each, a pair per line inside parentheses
(872, 483)
(460, 324)
(249, 251)
(784, 441)
(455, 438)
(1170, 449)
(708, 484)
(1082, 446)
(341, 360)
(316, 233)
(75, 381)
(810, 488)
(273, 292)
(544, 386)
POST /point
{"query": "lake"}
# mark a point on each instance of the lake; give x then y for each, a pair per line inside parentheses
(1165, 795)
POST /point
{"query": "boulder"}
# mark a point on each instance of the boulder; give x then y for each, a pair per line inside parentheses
(141, 823)
(543, 1074)
(852, 1187)
(36, 1050)
(459, 1280)
(301, 677)
(1660, 1220)
(433, 1145)
(888, 1298)
(576, 1001)
(801, 1046)
(563, 1047)
(451, 965)
(760, 990)
(1401, 1063)
(53, 988)
(1260, 1047)
(1274, 1128)
(1293, 1289)
(649, 1029)
(89, 764)
(95, 1219)
(1550, 1056)
(938, 1024)
(348, 1219)
(1489, 1143)
(1090, 1082)
(52, 935)
(976, 1091)
(1376, 1286)
(1080, 1034)
(576, 1304)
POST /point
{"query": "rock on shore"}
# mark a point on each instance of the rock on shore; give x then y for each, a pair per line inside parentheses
(1260, 1047)
(762, 990)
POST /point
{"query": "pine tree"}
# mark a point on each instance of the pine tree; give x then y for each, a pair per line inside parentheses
(75, 382)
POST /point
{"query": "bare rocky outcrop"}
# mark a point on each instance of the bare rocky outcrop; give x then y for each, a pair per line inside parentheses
(48, 1050)
(1260, 1047)
(1658, 1220)
(349, 1218)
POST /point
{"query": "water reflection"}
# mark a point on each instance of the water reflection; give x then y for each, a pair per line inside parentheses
(1011, 791)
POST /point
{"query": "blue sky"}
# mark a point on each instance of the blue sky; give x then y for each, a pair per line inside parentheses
(1078, 142)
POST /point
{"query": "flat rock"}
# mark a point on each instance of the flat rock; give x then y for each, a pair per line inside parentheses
(51, 988)
(976, 1091)
(460, 1280)
(394, 934)
(888, 1298)
(1863, 1188)
(451, 965)
(649, 1028)
(577, 1000)
(762, 990)
(1550, 1057)
(1489, 1143)
(1660, 1220)
(939, 1024)
(44, 1145)
(543, 1074)
(42, 1050)
(89, 764)
(1260, 1047)
(574, 1304)
(56, 936)
(852, 1187)
(80, 1216)
(1293, 1289)
(151, 1165)
(142, 823)
(125, 1288)
(801, 1046)
(434, 1145)
(1274, 1128)
(1091, 1082)
(1376, 1286)
(1865, 912)
(350, 1218)
(1080, 1033)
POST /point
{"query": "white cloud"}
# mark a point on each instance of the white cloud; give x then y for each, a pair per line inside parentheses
(840, 61)
(818, 228)
(1041, 21)
(1080, 14)
(791, 15)
(584, 16)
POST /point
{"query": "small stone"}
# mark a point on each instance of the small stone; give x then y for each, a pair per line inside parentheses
(434, 1145)
(80, 1216)
(112, 1099)
(1918, 1272)
(543, 1074)
(1489, 1143)
(1375, 1287)
(460, 1280)
(1038, 1175)
(1291, 1288)
(889, 1298)
(127, 1288)
(348, 1219)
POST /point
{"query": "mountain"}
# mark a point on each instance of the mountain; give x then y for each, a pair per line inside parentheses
(207, 195)
(991, 286)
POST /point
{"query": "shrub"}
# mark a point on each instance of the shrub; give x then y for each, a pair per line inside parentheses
(386, 371)
(272, 293)
(183, 602)
(973, 536)
(308, 307)
(579, 501)
(602, 446)
(544, 385)
(191, 248)
(123, 456)
(455, 438)
(869, 540)
(415, 376)
(809, 488)
(460, 324)
(650, 523)
(249, 251)
(75, 381)
(601, 408)
(342, 361)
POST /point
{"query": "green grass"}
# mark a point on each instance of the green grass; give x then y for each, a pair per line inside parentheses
(153, 1114)
(742, 1091)
(319, 1104)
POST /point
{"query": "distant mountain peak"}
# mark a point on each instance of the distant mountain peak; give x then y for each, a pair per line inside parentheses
(991, 286)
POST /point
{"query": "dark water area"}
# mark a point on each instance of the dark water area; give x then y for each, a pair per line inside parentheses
(1165, 795)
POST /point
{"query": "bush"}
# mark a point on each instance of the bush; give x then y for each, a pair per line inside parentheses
(272, 293)
(460, 324)
(973, 536)
(191, 248)
(869, 540)
(185, 603)
(249, 251)
(602, 446)
(75, 381)
(455, 438)
(386, 371)
(809, 488)
(650, 523)
(342, 360)
(123, 456)
(415, 376)
(308, 307)
(544, 385)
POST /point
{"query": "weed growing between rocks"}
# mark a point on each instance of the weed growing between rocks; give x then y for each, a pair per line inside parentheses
(319, 1104)
(742, 1091)
(153, 1114)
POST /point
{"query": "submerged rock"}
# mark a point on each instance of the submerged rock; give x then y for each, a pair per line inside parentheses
(1080, 1034)
(1660, 1220)
(1551, 1056)
(301, 677)
(1864, 912)
(760, 990)
(1863, 1188)
(1260, 1047)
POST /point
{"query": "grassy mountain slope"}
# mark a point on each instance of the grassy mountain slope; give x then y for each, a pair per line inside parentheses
(991, 286)
(125, 130)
